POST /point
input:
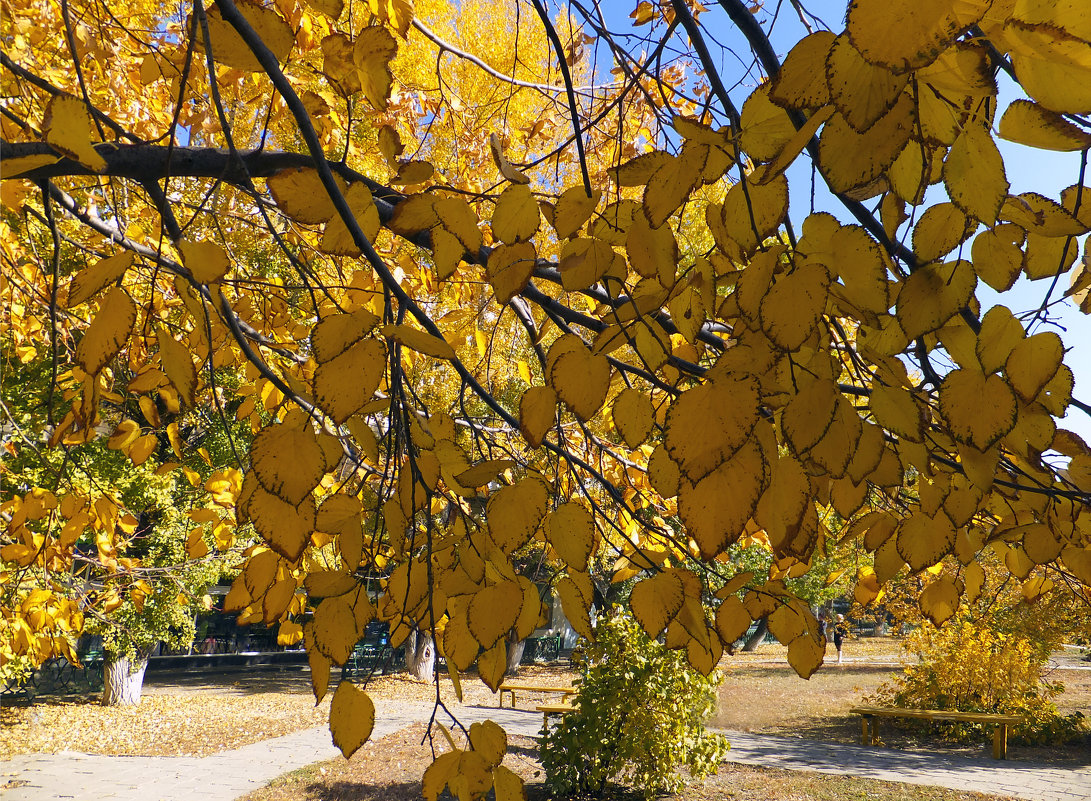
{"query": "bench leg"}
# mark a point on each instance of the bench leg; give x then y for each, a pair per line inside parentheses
(1000, 741)
(864, 730)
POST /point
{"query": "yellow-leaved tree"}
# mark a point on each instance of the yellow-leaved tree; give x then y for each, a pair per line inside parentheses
(549, 293)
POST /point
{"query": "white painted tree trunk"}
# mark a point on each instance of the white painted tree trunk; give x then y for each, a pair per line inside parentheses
(420, 655)
(515, 656)
(123, 680)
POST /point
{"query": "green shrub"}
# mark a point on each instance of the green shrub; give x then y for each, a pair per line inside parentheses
(973, 667)
(640, 717)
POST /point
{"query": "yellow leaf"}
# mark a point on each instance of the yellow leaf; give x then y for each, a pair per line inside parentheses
(656, 600)
(420, 341)
(862, 91)
(344, 384)
(335, 333)
(493, 612)
(908, 34)
(732, 620)
(979, 409)
(1030, 124)
(336, 239)
(413, 172)
(335, 628)
(808, 415)
(715, 509)
(584, 261)
(285, 527)
(639, 170)
(229, 48)
(932, 295)
(329, 583)
(288, 461)
(862, 266)
(851, 159)
(352, 717)
(537, 414)
(801, 82)
(652, 251)
(179, 367)
(663, 472)
(923, 540)
(491, 667)
(276, 600)
(974, 174)
(998, 255)
(766, 127)
(708, 423)
(794, 304)
(781, 506)
(1033, 362)
(483, 473)
(15, 167)
(207, 261)
(139, 451)
(1058, 85)
(581, 379)
(516, 217)
(91, 280)
(398, 14)
(439, 773)
(372, 54)
(754, 213)
(506, 169)
(489, 740)
(331, 8)
(572, 210)
(940, 230)
(67, 129)
(514, 512)
(509, 269)
(633, 416)
(669, 186)
(124, 435)
(108, 332)
(508, 786)
(805, 655)
(299, 193)
(575, 607)
(570, 529)
(939, 601)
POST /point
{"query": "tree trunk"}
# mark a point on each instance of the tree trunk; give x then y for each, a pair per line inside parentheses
(515, 655)
(123, 679)
(420, 655)
(757, 638)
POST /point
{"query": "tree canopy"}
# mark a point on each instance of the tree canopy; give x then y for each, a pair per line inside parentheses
(506, 275)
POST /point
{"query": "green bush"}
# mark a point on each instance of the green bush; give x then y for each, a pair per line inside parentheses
(640, 717)
(973, 667)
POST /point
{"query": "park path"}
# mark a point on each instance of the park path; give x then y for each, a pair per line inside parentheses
(71, 776)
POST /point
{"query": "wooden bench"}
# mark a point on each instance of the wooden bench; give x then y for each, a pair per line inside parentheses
(869, 722)
(509, 687)
(548, 710)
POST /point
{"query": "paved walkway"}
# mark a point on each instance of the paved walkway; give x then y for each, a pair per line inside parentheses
(71, 776)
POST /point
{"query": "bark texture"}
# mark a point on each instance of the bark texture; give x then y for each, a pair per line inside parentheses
(515, 655)
(420, 655)
(123, 679)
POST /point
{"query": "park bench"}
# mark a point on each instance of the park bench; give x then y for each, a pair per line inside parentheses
(548, 710)
(869, 722)
(511, 687)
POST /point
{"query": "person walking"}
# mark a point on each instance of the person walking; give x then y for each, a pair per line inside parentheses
(840, 630)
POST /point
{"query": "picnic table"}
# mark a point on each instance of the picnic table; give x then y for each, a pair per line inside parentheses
(512, 687)
(869, 722)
